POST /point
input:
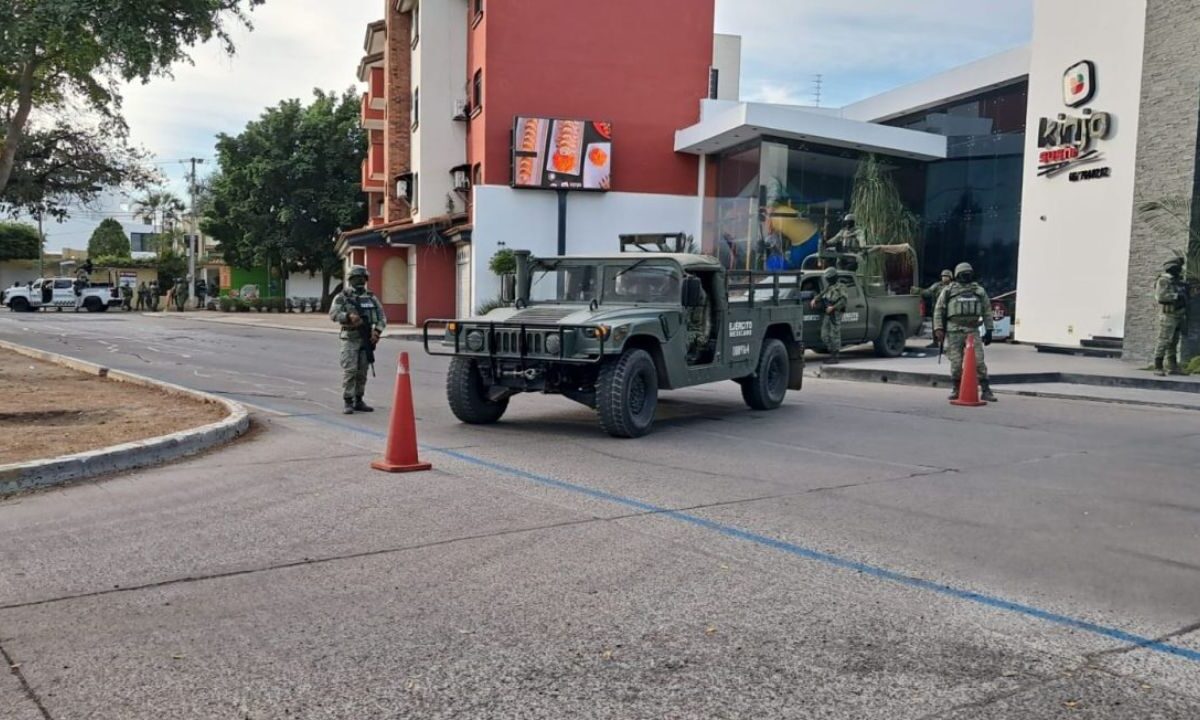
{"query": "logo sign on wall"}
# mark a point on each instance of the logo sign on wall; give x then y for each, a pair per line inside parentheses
(1068, 142)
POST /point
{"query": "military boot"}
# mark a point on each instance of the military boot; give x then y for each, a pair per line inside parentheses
(986, 392)
(954, 387)
(349, 407)
(833, 359)
(1158, 367)
(361, 406)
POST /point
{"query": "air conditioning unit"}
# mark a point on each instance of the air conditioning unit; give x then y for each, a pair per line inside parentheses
(462, 109)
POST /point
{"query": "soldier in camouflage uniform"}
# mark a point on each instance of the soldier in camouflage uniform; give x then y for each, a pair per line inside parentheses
(1172, 295)
(153, 297)
(180, 295)
(354, 308)
(930, 296)
(832, 304)
(960, 309)
(850, 239)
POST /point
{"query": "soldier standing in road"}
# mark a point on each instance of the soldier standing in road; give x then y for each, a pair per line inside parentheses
(362, 321)
(127, 297)
(152, 297)
(142, 296)
(201, 293)
(832, 304)
(931, 295)
(1172, 295)
(960, 309)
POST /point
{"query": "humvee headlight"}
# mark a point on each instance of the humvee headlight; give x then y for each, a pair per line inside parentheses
(475, 341)
(452, 328)
(620, 334)
(600, 331)
(553, 344)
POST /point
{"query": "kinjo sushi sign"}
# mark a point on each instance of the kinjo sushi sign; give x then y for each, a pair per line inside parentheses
(1067, 142)
(555, 154)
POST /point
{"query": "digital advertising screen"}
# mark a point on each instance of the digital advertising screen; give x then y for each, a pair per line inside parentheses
(554, 154)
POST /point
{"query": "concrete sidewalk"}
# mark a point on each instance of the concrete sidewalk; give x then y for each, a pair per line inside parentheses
(1021, 369)
(309, 322)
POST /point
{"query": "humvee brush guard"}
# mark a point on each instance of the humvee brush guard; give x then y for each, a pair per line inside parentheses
(611, 332)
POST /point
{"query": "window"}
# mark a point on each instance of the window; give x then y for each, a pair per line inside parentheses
(478, 10)
(477, 92)
(416, 25)
(416, 108)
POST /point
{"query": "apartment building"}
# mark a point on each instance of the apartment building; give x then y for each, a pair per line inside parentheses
(446, 81)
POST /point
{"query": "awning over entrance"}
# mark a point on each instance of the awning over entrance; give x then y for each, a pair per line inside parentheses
(742, 122)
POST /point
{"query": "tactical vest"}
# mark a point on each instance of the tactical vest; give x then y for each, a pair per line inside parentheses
(965, 305)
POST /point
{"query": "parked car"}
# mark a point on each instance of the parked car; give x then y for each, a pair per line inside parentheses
(59, 293)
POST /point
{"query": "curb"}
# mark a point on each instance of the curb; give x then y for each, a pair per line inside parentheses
(35, 474)
(917, 379)
(405, 336)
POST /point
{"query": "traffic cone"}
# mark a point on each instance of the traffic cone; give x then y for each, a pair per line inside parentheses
(401, 453)
(968, 389)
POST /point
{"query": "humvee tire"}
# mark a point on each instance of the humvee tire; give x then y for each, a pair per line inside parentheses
(627, 394)
(467, 396)
(892, 339)
(766, 389)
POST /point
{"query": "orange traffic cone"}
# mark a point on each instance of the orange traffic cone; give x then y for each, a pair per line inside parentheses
(401, 454)
(968, 389)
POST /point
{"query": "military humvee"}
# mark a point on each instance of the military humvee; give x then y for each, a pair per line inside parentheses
(610, 332)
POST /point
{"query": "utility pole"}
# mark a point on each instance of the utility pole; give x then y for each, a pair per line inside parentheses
(41, 248)
(194, 236)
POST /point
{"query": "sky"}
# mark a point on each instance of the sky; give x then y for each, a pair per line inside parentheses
(860, 47)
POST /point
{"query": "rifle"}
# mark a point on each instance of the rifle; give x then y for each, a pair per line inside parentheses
(941, 348)
(364, 333)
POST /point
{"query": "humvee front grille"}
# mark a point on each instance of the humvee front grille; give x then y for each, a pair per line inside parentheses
(524, 341)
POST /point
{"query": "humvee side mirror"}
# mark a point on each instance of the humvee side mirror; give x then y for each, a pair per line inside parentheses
(693, 292)
(508, 289)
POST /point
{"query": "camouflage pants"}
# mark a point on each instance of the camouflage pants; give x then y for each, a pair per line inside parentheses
(831, 332)
(1170, 337)
(354, 369)
(956, 347)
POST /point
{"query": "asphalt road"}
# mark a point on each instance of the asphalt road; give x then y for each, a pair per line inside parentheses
(866, 551)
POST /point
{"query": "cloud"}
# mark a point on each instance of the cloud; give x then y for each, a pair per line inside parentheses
(863, 47)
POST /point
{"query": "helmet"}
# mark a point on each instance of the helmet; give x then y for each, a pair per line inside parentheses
(831, 273)
(947, 275)
(358, 270)
(964, 267)
(849, 218)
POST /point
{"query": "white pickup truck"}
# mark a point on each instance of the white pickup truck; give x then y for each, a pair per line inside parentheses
(59, 293)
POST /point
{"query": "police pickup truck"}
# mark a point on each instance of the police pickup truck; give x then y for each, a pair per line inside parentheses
(611, 332)
(59, 293)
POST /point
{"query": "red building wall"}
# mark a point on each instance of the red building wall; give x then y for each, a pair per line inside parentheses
(435, 283)
(641, 65)
(375, 258)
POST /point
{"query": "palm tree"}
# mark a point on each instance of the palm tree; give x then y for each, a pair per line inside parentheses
(158, 208)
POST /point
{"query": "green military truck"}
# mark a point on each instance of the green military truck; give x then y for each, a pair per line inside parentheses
(883, 299)
(610, 332)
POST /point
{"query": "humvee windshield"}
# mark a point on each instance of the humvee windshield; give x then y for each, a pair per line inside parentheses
(637, 282)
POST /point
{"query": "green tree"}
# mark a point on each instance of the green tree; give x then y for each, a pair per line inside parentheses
(109, 239)
(19, 241)
(55, 54)
(285, 186)
(160, 209)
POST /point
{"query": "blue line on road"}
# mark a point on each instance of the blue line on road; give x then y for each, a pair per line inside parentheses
(992, 601)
